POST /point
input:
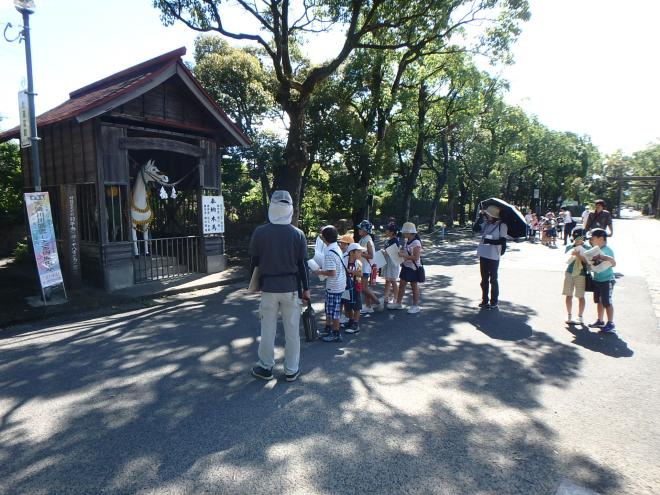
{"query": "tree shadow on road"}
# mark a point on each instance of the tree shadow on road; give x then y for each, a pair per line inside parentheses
(160, 400)
(605, 343)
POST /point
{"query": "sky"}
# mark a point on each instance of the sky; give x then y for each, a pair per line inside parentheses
(585, 66)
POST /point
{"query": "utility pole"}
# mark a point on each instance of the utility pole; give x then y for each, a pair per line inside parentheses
(26, 7)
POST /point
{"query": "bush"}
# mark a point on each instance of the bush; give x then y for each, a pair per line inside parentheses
(11, 201)
(21, 252)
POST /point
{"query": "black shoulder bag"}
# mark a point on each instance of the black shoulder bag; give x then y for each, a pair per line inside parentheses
(421, 273)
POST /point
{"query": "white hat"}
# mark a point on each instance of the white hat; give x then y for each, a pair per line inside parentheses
(353, 246)
(408, 228)
(280, 210)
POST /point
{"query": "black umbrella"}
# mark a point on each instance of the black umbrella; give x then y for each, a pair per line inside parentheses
(509, 214)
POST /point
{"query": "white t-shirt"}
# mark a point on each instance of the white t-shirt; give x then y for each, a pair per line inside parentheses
(585, 216)
(334, 261)
(528, 219)
(495, 230)
(410, 247)
(364, 242)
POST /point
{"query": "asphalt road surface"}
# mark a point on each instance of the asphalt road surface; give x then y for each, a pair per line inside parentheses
(450, 401)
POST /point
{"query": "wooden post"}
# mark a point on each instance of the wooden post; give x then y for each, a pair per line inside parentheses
(69, 227)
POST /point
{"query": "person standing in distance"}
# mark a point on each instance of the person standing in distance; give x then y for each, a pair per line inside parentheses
(585, 216)
(568, 223)
(600, 218)
(489, 250)
(280, 251)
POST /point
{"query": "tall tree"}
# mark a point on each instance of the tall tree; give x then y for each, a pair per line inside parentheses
(282, 25)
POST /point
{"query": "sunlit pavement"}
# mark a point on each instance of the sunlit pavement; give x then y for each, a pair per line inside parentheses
(453, 400)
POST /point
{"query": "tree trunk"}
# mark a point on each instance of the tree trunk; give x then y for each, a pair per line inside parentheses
(418, 158)
(463, 200)
(360, 192)
(451, 208)
(289, 176)
(265, 191)
(434, 208)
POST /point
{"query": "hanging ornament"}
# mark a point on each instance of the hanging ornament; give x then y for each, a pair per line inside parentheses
(163, 194)
(173, 193)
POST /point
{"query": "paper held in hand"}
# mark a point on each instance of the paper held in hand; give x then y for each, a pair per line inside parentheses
(393, 252)
(592, 253)
(379, 259)
(255, 286)
(580, 250)
(596, 267)
(315, 267)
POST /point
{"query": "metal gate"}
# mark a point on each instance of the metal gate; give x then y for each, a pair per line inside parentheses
(165, 258)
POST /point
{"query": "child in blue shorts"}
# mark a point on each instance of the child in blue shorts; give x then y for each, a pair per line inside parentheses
(335, 284)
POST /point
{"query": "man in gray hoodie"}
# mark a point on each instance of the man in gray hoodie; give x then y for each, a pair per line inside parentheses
(280, 251)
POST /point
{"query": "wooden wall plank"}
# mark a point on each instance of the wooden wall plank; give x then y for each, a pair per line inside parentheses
(154, 103)
(115, 160)
(67, 153)
(89, 150)
(77, 153)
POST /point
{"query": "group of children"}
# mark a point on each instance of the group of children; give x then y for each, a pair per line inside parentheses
(546, 227)
(583, 274)
(352, 273)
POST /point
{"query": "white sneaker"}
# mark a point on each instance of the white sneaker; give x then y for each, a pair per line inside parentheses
(414, 310)
(394, 306)
(343, 319)
(366, 311)
(579, 320)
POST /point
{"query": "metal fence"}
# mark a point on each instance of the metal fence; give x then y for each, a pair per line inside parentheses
(165, 258)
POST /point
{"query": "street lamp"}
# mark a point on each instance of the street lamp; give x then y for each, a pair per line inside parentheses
(26, 7)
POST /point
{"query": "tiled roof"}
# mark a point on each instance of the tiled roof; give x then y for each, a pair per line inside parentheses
(104, 91)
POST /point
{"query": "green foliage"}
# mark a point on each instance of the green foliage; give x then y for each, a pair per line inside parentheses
(11, 200)
(403, 113)
(21, 253)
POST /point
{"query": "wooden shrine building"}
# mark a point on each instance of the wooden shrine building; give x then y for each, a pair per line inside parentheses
(94, 152)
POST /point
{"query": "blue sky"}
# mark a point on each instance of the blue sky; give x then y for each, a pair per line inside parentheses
(587, 66)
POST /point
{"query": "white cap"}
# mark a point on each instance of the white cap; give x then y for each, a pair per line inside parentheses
(281, 197)
(353, 246)
(280, 210)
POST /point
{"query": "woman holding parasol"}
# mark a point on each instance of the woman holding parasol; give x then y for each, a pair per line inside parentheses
(502, 220)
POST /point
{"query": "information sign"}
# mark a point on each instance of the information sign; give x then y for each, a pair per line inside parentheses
(24, 117)
(43, 238)
(213, 215)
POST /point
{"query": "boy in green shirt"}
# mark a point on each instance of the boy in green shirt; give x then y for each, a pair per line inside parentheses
(603, 281)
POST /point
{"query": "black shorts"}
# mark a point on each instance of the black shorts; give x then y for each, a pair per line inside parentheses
(603, 293)
(409, 274)
(355, 304)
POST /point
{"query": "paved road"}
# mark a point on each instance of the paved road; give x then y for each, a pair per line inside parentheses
(450, 401)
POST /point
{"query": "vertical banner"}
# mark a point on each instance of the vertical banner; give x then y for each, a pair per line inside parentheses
(43, 238)
(69, 234)
(24, 118)
(213, 215)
